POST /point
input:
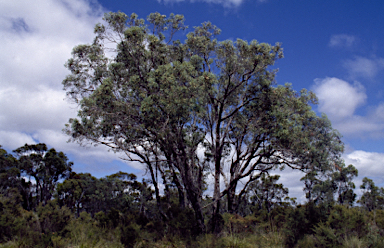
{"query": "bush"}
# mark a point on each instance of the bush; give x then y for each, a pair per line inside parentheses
(236, 224)
(347, 222)
(326, 237)
(10, 217)
(85, 232)
(354, 242)
(302, 220)
(309, 241)
(53, 219)
(129, 236)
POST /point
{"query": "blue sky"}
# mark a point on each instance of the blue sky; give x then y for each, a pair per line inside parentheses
(334, 48)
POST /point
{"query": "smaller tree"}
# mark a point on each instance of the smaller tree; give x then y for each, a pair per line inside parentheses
(323, 187)
(120, 191)
(373, 196)
(75, 192)
(343, 178)
(319, 187)
(268, 194)
(46, 167)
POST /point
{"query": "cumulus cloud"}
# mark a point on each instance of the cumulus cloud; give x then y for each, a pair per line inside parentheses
(361, 67)
(340, 99)
(369, 164)
(225, 3)
(32, 110)
(13, 140)
(342, 41)
(36, 40)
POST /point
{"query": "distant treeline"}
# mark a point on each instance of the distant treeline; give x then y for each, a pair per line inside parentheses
(43, 203)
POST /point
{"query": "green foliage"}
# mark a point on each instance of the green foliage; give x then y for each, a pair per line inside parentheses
(302, 220)
(10, 216)
(182, 222)
(325, 236)
(347, 222)
(308, 241)
(322, 187)
(374, 238)
(83, 232)
(236, 224)
(378, 218)
(46, 167)
(53, 219)
(245, 240)
(373, 196)
(129, 236)
(267, 194)
(354, 242)
(9, 172)
(119, 191)
(344, 226)
(343, 177)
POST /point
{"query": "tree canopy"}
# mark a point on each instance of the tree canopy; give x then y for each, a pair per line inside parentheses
(45, 167)
(196, 112)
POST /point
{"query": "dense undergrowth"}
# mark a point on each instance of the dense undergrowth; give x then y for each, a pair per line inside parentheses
(301, 226)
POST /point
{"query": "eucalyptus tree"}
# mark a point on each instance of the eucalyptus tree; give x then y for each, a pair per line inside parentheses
(267, 193)
(373, 196)
(44, 168)
(120, 191)
(343, 178)
(331, 186)
(193, 109)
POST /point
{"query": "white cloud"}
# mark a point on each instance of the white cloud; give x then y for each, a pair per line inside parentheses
(369, 164)
(13, 140)
(225, 3)
(36, 40)
(27, 110)
(342, 41)
(361, 67)
(340, 99)
(379, 112)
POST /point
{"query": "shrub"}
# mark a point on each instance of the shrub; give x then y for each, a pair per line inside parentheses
(53, 219)
(129, 236)
(325, 237)
(347, 222)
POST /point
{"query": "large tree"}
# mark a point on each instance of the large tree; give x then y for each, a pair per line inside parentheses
(194, 111)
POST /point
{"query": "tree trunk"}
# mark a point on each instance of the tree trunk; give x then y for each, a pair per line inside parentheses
(192, 186)
(157, 193)
(231, 200)
(216, 190)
